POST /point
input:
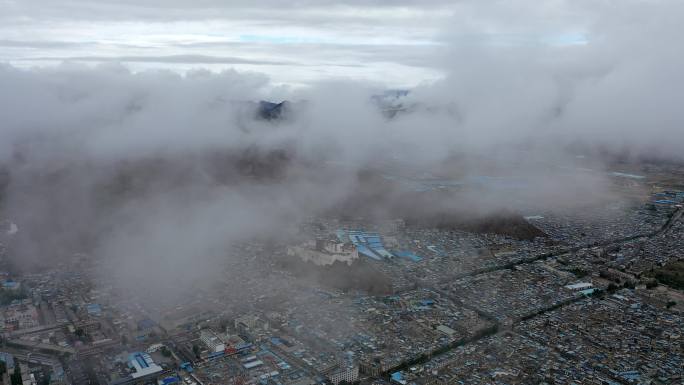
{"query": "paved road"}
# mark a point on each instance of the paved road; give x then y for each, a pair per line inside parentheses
(677, 215)
(664, 228)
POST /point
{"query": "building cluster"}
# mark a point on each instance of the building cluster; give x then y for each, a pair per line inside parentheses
(578, 307)
(18, 315)
(511, 294)
(322, 252)
(597, 225)
(615, 340)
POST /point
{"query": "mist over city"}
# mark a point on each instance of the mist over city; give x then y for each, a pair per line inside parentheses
(356, 192)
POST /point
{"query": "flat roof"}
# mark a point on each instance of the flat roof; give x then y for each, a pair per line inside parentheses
(579, 285)
(252, 364)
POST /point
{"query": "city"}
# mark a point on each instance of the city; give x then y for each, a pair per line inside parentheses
(347, 192)
(583, 304)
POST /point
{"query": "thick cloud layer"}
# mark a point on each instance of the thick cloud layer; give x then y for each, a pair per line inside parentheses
(158, 172)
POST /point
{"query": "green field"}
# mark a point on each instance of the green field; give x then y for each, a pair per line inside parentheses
(671, 275)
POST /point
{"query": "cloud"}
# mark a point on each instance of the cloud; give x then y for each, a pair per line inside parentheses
(185, 59)
(159, 172)
(329, 36)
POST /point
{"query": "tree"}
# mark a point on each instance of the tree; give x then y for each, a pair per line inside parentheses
(45, 380)
(223, 325)
(670, 304)
(579, 273)
(15, 379)
(196, 350)
(9, 295)
(165, 352)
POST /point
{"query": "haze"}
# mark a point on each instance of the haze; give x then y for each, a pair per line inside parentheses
(516, 84)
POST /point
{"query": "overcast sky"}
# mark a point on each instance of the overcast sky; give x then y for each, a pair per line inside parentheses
(395, 43)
